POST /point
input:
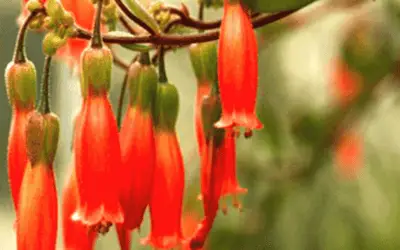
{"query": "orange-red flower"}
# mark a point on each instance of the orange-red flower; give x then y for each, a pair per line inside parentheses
(167, 195)
(37, 213)
(21, 91)
(76, 236)
(237, 68)
(37, 209)
(98, 160)
(137, 147)
(96, 145)
(190, 222)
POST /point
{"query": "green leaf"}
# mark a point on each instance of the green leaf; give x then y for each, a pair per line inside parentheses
(139, 11)
(276, 5)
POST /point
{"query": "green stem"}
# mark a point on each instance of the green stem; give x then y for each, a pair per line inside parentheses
(44, 105)
(97, 41)
(19, 52)
(161, 66)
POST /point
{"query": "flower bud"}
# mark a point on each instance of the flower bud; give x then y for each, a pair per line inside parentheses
(204, 61)
(166, 107)
(52, 42)
(21, 84)
(33, 5)
(142, 80)
(54, 9)
(96, 69)
(42, 133)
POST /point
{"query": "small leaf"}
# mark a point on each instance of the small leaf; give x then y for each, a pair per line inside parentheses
(139, 11)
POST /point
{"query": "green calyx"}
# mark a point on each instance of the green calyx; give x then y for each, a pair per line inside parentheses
(166, 107)
(20, 81)
(204, 61)
(210, 114)
(96, 67)
(42, 133)
(142, 82)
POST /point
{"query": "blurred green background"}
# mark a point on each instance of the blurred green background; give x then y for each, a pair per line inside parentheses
(321, 211)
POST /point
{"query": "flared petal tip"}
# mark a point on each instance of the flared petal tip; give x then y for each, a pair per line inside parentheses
(226, 121)
(98, 216)
(163, 242)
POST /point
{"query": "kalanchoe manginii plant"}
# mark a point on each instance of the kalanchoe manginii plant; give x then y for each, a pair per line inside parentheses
(116, 175)
(137, 145)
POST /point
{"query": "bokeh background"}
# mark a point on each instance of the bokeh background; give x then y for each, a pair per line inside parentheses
(296, 60)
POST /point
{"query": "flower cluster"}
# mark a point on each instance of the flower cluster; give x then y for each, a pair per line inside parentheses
(116, 174)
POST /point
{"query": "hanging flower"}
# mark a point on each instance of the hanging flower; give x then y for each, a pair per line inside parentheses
(190, 222)
(203, 57)
(37, 212)
(21, 91)
(137, 147)
(76, 236)
(167, 195)
(237, 68)
(96, 145)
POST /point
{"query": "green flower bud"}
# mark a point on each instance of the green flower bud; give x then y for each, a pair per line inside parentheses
(166, 107)
(204, 61)
(20, 81)
(210, 113)
(96, 67)
(52, 42)
(42, 133)
(142, 82)
(68, 19)
(33, 5)
(55, 10)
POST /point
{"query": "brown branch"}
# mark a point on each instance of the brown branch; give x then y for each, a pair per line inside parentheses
(181, 39)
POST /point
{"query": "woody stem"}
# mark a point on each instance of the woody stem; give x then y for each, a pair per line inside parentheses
(44, 105)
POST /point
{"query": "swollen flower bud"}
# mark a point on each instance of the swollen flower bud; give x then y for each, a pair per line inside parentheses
(96, 70)
(21, 84)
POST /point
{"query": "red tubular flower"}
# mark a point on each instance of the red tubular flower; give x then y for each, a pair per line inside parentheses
(76, 236)
(137, 142)
(203, 57)
(83, 11)
(137, 147)
(97, 156)
(37, 212)
(237, 69)
(349, 148)
(167, 195)
(21, 90)
(96, 145)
